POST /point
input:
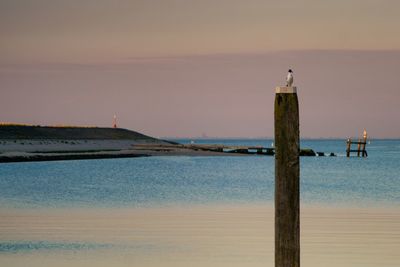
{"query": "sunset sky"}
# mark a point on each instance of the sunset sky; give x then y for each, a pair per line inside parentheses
(187, 68)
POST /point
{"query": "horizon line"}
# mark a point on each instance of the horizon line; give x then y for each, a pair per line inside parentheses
(132, 59)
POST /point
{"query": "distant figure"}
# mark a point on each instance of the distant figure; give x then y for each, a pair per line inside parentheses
(289, 78)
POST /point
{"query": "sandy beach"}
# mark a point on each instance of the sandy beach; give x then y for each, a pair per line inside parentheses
(47, 150)
(50, 150)
(216, 235)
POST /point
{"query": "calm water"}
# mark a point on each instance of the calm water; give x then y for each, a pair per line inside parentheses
(144, 211)
(160, 181)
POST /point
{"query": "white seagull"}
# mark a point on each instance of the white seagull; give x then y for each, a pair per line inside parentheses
(289, 78)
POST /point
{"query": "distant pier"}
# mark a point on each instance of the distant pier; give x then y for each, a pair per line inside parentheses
(361, 144)
(250, 150)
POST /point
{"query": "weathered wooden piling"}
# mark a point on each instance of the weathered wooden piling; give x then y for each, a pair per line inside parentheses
(348, 147)
(365, 136)
(360, 146)
(287, 178)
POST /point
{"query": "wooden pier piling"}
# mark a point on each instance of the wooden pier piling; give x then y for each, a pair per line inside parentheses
(361, 144)
(287, 178)
(365, 136)
(358, 147)
(348, 147)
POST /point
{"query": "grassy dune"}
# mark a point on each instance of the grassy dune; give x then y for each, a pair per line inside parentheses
(69, 133)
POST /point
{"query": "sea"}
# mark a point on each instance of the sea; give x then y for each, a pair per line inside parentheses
(200, 210)
(183, 180)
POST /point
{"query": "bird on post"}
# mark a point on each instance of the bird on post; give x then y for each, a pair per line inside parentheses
(289, 78)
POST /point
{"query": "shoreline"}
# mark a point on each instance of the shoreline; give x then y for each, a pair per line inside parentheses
(55, 150)
(38, 157)
(30, 150)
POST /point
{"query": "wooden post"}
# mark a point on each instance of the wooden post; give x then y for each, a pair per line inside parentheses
(365, 136)
(287, 182)
(348, 147)
(363, 149)
(358, 147)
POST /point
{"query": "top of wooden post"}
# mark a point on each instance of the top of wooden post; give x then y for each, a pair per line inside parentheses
(286, 90)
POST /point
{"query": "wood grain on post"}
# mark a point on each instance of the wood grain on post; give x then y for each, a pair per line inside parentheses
(287, 178)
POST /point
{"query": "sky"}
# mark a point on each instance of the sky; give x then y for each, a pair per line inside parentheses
(175, 68)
